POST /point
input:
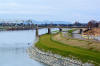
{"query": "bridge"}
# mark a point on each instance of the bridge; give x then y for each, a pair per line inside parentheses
(36, 27)
(60, 28)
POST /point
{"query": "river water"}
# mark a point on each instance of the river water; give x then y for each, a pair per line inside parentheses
(13, 45)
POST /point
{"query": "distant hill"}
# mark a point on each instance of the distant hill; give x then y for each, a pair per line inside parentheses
(35, 22)
(51, 22)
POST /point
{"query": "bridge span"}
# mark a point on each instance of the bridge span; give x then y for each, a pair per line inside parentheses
(60, 28)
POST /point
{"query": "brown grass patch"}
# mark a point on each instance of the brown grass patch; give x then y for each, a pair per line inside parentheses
(91, 45)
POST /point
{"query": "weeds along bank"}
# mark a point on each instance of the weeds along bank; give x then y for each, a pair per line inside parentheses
(55, 53)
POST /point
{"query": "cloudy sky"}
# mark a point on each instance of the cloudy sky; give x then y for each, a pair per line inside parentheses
(63, 10)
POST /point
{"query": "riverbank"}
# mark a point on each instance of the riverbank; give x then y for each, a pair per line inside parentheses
(53, 59)
(47, 44)
(8, 28)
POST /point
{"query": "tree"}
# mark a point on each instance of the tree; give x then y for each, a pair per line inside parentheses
(91, 24)
(77, 23)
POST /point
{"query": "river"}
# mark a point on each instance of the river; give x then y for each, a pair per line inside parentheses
(13, 45)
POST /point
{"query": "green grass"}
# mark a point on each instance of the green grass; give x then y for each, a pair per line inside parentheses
(70, 32)
(55, 31)
(47, 44)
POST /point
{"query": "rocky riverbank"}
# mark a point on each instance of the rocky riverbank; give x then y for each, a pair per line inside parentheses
(53, 59)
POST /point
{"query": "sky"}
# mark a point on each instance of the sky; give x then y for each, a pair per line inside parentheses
(53, 10)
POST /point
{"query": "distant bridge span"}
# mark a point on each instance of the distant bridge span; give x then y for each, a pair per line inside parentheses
(60, 28)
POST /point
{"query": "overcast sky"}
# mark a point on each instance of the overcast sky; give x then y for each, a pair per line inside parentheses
(63, 10)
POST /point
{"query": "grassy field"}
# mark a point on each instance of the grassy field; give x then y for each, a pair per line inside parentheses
(47, 44)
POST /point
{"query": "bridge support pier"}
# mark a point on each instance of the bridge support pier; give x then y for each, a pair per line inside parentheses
(37, 35)
(81, 30)
(49, 30)
(60, 30)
